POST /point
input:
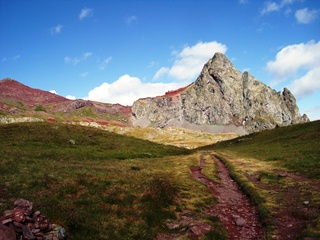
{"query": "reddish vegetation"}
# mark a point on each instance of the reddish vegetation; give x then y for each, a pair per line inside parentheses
(16, 98)
(30, 96)
(171, 93)
(175, 92)
(51, 119)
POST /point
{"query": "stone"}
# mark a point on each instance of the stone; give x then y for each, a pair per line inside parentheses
(8, 213)
(200, 229)
(28, 224)
(27, 234)
(7, 233)
(24, 205)
(18, 215)
(221, 99)
(240, 222)
(5, 221)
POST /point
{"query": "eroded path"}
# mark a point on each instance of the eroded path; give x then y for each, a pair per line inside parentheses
(237, 215)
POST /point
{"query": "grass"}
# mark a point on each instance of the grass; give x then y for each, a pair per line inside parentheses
(278, 169)
(295, 148)
(110, 186)
(105, 186)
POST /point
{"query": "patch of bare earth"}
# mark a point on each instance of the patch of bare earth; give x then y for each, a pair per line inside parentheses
(237, 215)
(234, 209)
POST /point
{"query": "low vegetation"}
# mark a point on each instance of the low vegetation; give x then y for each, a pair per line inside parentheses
(102, 185)
(279, 170)
(97, 184)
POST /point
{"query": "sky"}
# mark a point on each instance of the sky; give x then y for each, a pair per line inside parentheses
(117, 51)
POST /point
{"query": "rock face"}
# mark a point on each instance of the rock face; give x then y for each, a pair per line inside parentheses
(221, 99)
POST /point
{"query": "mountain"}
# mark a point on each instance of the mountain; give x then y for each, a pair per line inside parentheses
(222, 99)
(19, 100)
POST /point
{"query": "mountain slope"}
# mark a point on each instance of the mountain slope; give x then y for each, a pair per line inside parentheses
(18, 100)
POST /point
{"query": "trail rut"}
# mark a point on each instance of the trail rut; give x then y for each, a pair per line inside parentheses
(234, 209)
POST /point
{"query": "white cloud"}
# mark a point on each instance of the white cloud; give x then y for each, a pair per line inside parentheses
(295, 57)
(53, 91)
(306, 16)
(161, 72)
(56, 30)
(14, 58)
(189, 62)
(132, 19)
(104, 63)
(71, 97)
(70, 60)
(76, 60)
(243, 1)
(127, 89)
(85, 12)
(302, 59)
(86, 55)
(84, 74)
(270, 7)
(307, 84)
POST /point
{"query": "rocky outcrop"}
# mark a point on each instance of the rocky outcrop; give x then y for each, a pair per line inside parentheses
(221, 96)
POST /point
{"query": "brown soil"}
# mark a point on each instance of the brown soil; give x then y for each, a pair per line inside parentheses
(233, 207)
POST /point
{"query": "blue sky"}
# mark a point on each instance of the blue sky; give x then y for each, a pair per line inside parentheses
(118, 51)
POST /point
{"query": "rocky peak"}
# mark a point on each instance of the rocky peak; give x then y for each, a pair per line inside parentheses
(221, 96)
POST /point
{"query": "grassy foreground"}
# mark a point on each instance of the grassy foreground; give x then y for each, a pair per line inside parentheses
(280, 170)
(97, 184)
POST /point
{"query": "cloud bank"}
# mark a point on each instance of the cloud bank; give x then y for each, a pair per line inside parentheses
(298, 58)
(127, 89)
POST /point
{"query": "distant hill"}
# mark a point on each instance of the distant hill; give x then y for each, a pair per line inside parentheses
(18, 100)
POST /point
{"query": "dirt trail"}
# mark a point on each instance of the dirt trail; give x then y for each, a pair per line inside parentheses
(237, 215)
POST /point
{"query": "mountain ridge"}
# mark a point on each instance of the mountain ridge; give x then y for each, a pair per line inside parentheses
(222, 99)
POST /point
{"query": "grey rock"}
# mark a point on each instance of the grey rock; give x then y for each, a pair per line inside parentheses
(240, 222)
(221, 96)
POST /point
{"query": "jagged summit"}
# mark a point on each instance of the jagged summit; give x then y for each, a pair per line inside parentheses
(221, 99)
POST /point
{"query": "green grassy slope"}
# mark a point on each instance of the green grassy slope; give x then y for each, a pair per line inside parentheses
(296, 147)
(105, 186)
(280, 170)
